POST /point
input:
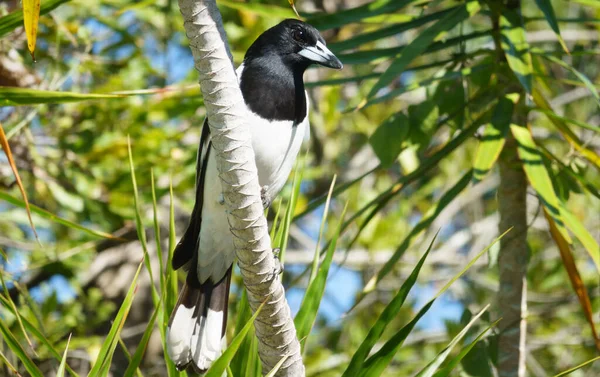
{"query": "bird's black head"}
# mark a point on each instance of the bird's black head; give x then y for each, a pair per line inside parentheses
(296, 43)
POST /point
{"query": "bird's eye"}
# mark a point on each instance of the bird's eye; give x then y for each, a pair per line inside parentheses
(298, 36)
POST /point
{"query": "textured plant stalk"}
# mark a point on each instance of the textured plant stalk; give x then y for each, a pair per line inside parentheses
(231, 141)
(512, 263)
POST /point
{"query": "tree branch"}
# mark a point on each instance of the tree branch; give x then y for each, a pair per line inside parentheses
(231, 141)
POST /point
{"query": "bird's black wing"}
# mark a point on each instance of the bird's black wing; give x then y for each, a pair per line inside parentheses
(186, 249)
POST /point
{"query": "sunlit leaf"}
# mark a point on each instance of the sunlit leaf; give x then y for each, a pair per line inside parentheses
(12, 96)
(31, 16)
(13, 344)
(537, 174)
(516, 48)
(13, 20)
(138, 356)
(574, 276)
(420, 44)
(546, 7)
(266, 10)
(582, 234)
(61, 368)
(13, 166)
(492, 141)
(569, 371)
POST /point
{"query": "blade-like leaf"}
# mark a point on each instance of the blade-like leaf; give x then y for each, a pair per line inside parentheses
(277, 367)
(569, 371)
(13, 344)
(537, 174)
(389, 313)
(31, 16)
(10, 96)
(52, 217)
(314, 292)
(421, 42)
(516, 48)
(434, 364)
(138, 355)
(112, 339)
(246, 358)
(431, 215)
(574, 276)
(581, 233)
(315, 265)
(266, 10)
(15, 19)
(14, 309)
(325, 21)
(13, 166)
(546, 7)
(293, 5)
(492, 141)
(376, 364)
(218, 367)
(61, 368)
(445, 372)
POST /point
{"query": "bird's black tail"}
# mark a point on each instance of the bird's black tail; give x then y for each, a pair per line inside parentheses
(197, 325)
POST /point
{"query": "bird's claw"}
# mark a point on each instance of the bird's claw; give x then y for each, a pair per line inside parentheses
(265, 197)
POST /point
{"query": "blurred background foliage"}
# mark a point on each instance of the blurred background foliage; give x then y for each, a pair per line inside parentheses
(402, 123)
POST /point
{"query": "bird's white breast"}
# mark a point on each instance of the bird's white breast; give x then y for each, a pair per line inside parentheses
(276, 145)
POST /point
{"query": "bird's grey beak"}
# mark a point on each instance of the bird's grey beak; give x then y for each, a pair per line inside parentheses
(321, 55)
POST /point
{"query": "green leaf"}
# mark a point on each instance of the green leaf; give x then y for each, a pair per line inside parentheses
(538, 175)
(10, 96)
(246, 358)
(546, 7)
(552, 114)
(421, 42)
(13, 20)
(138, 355)
(314, 292)
(61, 368)
(315, 264)
(376, 364)
(388, 315)
(581, 233)
(516, 48)
(434, 364)
(492, 141)
(219, 366)
(112, 339)
(431, 215)
(265, 10)
(12, 343)
(387, 139)
(445, 372)
(52, 217)
(569, 371)
(277, 367)
(325, 21)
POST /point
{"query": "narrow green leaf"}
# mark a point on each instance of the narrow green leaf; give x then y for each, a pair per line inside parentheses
(52, 217)
(431, 215)
(569, 371)
(112, 339)
(218, 367)
(325, 21)
(277, 367)
(516, 48)
(445, 372)
(421, 42)
(61, 368)
(14, 309)
(157, 239)
(581, 233)
(265, 10)
(13, 20)
(387, 139)
(492, 141)
(315, 264)
(138, 355)
(12, 343)
(546, 7)
(376, 364)
(552, 114)
(314, 292)
(246, 357)
(538, 175)
(389, 313)
(8, 364)
(10, 96)
(434, 364)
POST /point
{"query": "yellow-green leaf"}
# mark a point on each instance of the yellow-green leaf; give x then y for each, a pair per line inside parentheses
(538, 175)
(516, 48)
(31, 16)
(23, 96)
(493, 138)
(548, 11)
(582, 234)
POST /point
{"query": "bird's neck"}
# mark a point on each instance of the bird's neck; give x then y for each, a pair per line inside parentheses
(273, 90)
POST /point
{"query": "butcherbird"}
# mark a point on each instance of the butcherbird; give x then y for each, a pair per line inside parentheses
(271, 82)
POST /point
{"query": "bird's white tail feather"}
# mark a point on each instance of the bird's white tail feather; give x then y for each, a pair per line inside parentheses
(197, 326)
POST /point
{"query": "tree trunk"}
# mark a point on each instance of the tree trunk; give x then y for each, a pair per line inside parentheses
(512, 262)
(231, 141)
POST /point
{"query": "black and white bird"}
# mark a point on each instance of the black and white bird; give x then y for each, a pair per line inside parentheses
(271, 82)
